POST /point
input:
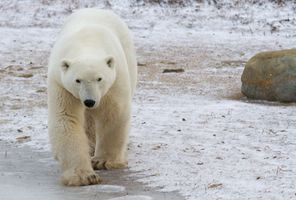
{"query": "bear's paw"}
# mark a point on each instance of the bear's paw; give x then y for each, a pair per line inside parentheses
(98, 163)
(80, 177)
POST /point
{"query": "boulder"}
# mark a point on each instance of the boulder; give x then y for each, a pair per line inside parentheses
(271, 76)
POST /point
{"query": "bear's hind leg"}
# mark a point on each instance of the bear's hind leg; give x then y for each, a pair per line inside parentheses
(111, 146)
(90, 130)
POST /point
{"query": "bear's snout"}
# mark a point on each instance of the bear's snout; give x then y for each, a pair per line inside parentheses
(89, 103)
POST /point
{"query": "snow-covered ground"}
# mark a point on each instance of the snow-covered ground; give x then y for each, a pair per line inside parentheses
(193, 132)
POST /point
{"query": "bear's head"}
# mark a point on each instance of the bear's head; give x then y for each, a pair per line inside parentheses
(88, 78)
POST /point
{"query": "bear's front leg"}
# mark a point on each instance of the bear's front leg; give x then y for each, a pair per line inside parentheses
(111, 143)
(68, 139)
(73, 155)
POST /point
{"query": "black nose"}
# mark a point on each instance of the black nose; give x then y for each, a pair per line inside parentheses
(89, 103)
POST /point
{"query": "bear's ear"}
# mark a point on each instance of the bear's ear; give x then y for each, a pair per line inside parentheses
(65, 64)
(110, 61)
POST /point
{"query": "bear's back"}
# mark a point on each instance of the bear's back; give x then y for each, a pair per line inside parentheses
(96, 17)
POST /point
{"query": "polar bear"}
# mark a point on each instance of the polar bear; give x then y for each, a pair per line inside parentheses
(92, 75)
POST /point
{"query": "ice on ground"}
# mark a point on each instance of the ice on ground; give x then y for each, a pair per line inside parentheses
(106, 188)
(25, 193)
(133, 197)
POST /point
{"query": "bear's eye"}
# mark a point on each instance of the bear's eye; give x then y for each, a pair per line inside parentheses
(78, 81)
(99, 79)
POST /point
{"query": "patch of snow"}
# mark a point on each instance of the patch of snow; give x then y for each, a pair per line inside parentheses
(195, 142)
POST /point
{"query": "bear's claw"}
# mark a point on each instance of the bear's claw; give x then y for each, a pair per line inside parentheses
(96, 164)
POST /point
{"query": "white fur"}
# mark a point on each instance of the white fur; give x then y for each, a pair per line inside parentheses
(93, 44)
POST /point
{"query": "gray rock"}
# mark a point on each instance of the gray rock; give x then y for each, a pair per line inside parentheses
(271, 76)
